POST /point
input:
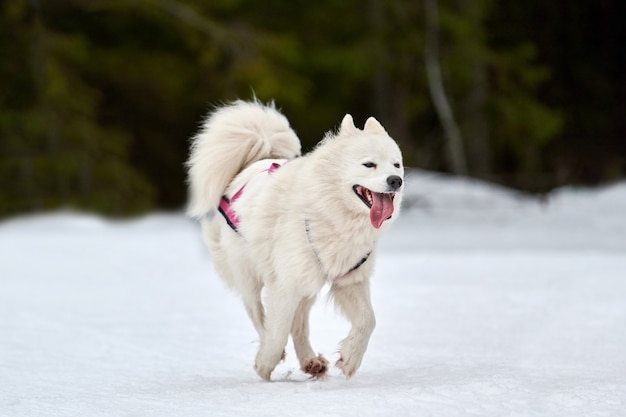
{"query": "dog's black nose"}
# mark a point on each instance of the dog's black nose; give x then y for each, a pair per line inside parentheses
(394, 182)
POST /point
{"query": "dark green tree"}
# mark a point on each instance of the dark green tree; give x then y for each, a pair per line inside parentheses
(99, 98)
(54, 150)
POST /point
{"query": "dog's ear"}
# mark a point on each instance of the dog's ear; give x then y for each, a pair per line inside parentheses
(347, 125)
(373, 126)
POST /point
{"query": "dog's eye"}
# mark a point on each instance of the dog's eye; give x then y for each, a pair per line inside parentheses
(397, 165)
(369, 165)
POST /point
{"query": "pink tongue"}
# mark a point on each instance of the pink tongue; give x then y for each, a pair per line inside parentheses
(382, 208)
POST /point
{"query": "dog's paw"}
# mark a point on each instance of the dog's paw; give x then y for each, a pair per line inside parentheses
(316, 367)
(348, 365)
(263, 371)
(266, 360)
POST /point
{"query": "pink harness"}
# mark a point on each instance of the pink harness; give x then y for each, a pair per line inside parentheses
(225, 206)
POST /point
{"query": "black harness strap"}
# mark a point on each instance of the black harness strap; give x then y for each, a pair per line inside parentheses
(361, 262)
(227, 217)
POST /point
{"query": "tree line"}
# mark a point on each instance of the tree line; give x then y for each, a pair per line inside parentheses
(99, 98)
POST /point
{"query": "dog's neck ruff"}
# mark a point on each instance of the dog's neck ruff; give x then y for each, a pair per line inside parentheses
(307, 229)
(225, 206)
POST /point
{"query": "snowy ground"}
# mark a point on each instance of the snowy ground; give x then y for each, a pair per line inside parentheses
(488, 304)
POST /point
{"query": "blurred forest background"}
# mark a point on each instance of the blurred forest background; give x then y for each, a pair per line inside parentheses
(98, 98)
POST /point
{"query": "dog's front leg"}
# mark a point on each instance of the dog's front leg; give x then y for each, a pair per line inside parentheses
(353, 300)
(312, 364)
(280, 309)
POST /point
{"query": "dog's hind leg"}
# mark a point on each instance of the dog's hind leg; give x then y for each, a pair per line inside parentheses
(254, 307)
(314, 365)
(280, 310)
(354, 302)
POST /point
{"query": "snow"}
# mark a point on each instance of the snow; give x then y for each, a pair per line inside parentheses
(489, 303)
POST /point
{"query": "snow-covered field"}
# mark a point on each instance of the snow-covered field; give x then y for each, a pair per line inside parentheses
(488, 304)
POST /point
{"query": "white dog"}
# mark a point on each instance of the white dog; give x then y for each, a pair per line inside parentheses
(290, 224)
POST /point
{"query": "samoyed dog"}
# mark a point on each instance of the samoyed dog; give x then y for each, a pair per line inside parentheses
(287, 225)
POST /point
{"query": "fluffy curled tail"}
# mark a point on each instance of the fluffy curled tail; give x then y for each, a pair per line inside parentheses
(231, 138)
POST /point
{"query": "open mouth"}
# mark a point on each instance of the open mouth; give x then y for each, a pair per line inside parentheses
(380, 204)
(367, 196)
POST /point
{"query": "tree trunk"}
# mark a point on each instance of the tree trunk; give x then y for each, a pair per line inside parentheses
(474, 121)
(380, 80)
(454, 141)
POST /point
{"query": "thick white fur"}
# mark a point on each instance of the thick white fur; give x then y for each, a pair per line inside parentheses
(236, 136)
(300, 226)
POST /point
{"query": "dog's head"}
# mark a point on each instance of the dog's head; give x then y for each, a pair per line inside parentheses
(372, 169)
